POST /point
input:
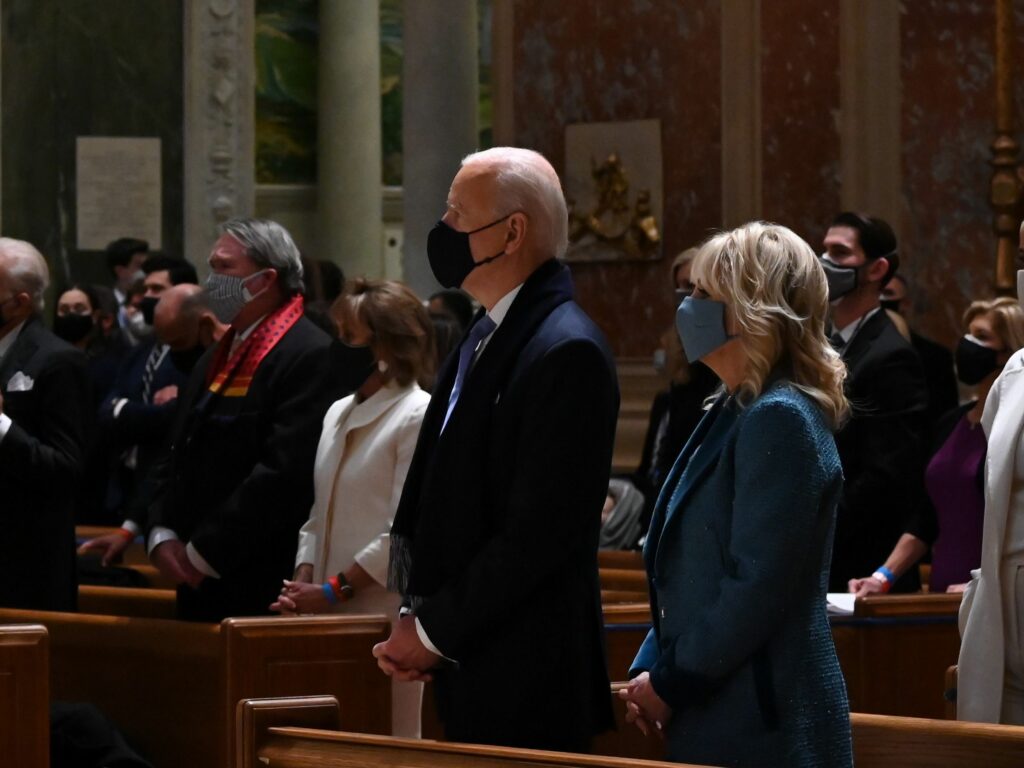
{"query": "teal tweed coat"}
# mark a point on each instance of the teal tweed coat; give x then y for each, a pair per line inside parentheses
(738, 558)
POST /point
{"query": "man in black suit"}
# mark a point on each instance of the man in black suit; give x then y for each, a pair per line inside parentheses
(138, 412)
(240, 481)
(494, 544)
(44, 408)
(936, 360)
(880, 446)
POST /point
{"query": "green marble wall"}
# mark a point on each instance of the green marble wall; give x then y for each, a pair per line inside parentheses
(74, 68)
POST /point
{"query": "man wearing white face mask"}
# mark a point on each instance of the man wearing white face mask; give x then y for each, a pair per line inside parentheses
(238, 485)
(880, 446)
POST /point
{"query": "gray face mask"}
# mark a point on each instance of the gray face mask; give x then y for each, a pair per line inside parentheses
(841, 280)
(701, 327)
(226, 295)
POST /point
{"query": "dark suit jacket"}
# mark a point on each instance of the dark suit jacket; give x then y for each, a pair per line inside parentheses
(239, 483)
(40, 468)
(882, 451)
(737, 558)
(140, 423)
(508, 502)
(939, 374)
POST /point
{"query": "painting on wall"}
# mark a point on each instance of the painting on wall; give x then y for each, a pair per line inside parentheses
(614, 191)
(287, 32)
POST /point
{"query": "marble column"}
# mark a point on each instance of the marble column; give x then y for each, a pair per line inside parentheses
(440, 101)
(220, 114)
(870, 148)
(741, 112)
(349, 208)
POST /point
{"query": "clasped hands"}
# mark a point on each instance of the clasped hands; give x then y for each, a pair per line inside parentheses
(644, 706)
(171, 559)
(403, 655)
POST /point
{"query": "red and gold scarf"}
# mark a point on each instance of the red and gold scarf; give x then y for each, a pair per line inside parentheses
(234, 373)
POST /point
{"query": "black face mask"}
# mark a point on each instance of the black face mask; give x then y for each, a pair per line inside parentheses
(974, 361)
(893, 305)
(185, 359)
(681, 293)
(451, 259)
(351, 366)
(148, 308)
(71, 327)
(841, 280)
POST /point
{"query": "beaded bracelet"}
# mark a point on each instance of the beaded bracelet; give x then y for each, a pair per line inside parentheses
(329, 591)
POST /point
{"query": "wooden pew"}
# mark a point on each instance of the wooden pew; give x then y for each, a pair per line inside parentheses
(303, 733)
(267, 736)
(171, 686)
(620, 558)
(894, 652)
(144, 603)
(909, 742)
(24, 696)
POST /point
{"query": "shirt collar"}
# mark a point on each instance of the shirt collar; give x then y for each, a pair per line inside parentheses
(243, 335)
(501, 307)
(849, 331)
(8, 341)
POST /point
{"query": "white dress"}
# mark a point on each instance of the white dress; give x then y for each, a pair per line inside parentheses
(361, 462)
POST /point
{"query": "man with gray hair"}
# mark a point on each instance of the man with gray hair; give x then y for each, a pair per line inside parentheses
(45, 404)
(494, 544)
(239, 485)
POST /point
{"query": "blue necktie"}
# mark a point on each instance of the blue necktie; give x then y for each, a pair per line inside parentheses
(484, 327)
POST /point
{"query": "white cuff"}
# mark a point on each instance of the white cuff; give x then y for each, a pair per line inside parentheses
(158, 536)
(422, 633)
(200, 562)
(131, 527)
(119, 406)
(5, 424)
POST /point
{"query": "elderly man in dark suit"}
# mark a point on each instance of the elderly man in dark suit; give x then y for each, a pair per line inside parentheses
(240, 480)
(44, 410)
(880, 447)
(494, 543)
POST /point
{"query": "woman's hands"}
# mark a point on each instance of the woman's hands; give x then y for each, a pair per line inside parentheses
(301, 595)
(644, 706)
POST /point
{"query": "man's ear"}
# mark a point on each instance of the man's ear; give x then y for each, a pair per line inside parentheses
(877, 269)
(515, 236)
(261, 281)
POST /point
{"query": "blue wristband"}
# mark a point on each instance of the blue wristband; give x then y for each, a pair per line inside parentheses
(329, 591)
(889, 575)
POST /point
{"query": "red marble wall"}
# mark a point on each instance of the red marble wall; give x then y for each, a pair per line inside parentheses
(800, 115)
(633, 59)
(629, 60)
(948, 59)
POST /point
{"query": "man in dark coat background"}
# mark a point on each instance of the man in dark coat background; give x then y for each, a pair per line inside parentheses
(881, 445)
(239, 485)
(494, 543)
(45, 405)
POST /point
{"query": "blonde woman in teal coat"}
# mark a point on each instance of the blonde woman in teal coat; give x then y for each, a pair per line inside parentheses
(739, 668)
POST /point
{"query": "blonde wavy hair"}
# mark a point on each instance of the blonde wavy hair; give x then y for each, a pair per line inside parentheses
(774, 286)
(1007, 319)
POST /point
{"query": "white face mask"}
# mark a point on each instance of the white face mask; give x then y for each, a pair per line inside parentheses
(137, 326)
(1020, 286)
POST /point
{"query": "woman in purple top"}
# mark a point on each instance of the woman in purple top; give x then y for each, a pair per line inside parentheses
(951, 517)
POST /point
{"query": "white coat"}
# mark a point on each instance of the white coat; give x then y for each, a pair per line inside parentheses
(982, 652)
(360, 468)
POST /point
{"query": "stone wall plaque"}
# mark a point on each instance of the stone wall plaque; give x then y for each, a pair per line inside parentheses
(117, 190)
(613, 188)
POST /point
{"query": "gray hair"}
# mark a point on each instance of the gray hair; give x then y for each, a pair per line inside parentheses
(26, 268)
(525, 181)
(270, 245)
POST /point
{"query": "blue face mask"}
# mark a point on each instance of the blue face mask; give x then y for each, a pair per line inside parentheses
(701, 326)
